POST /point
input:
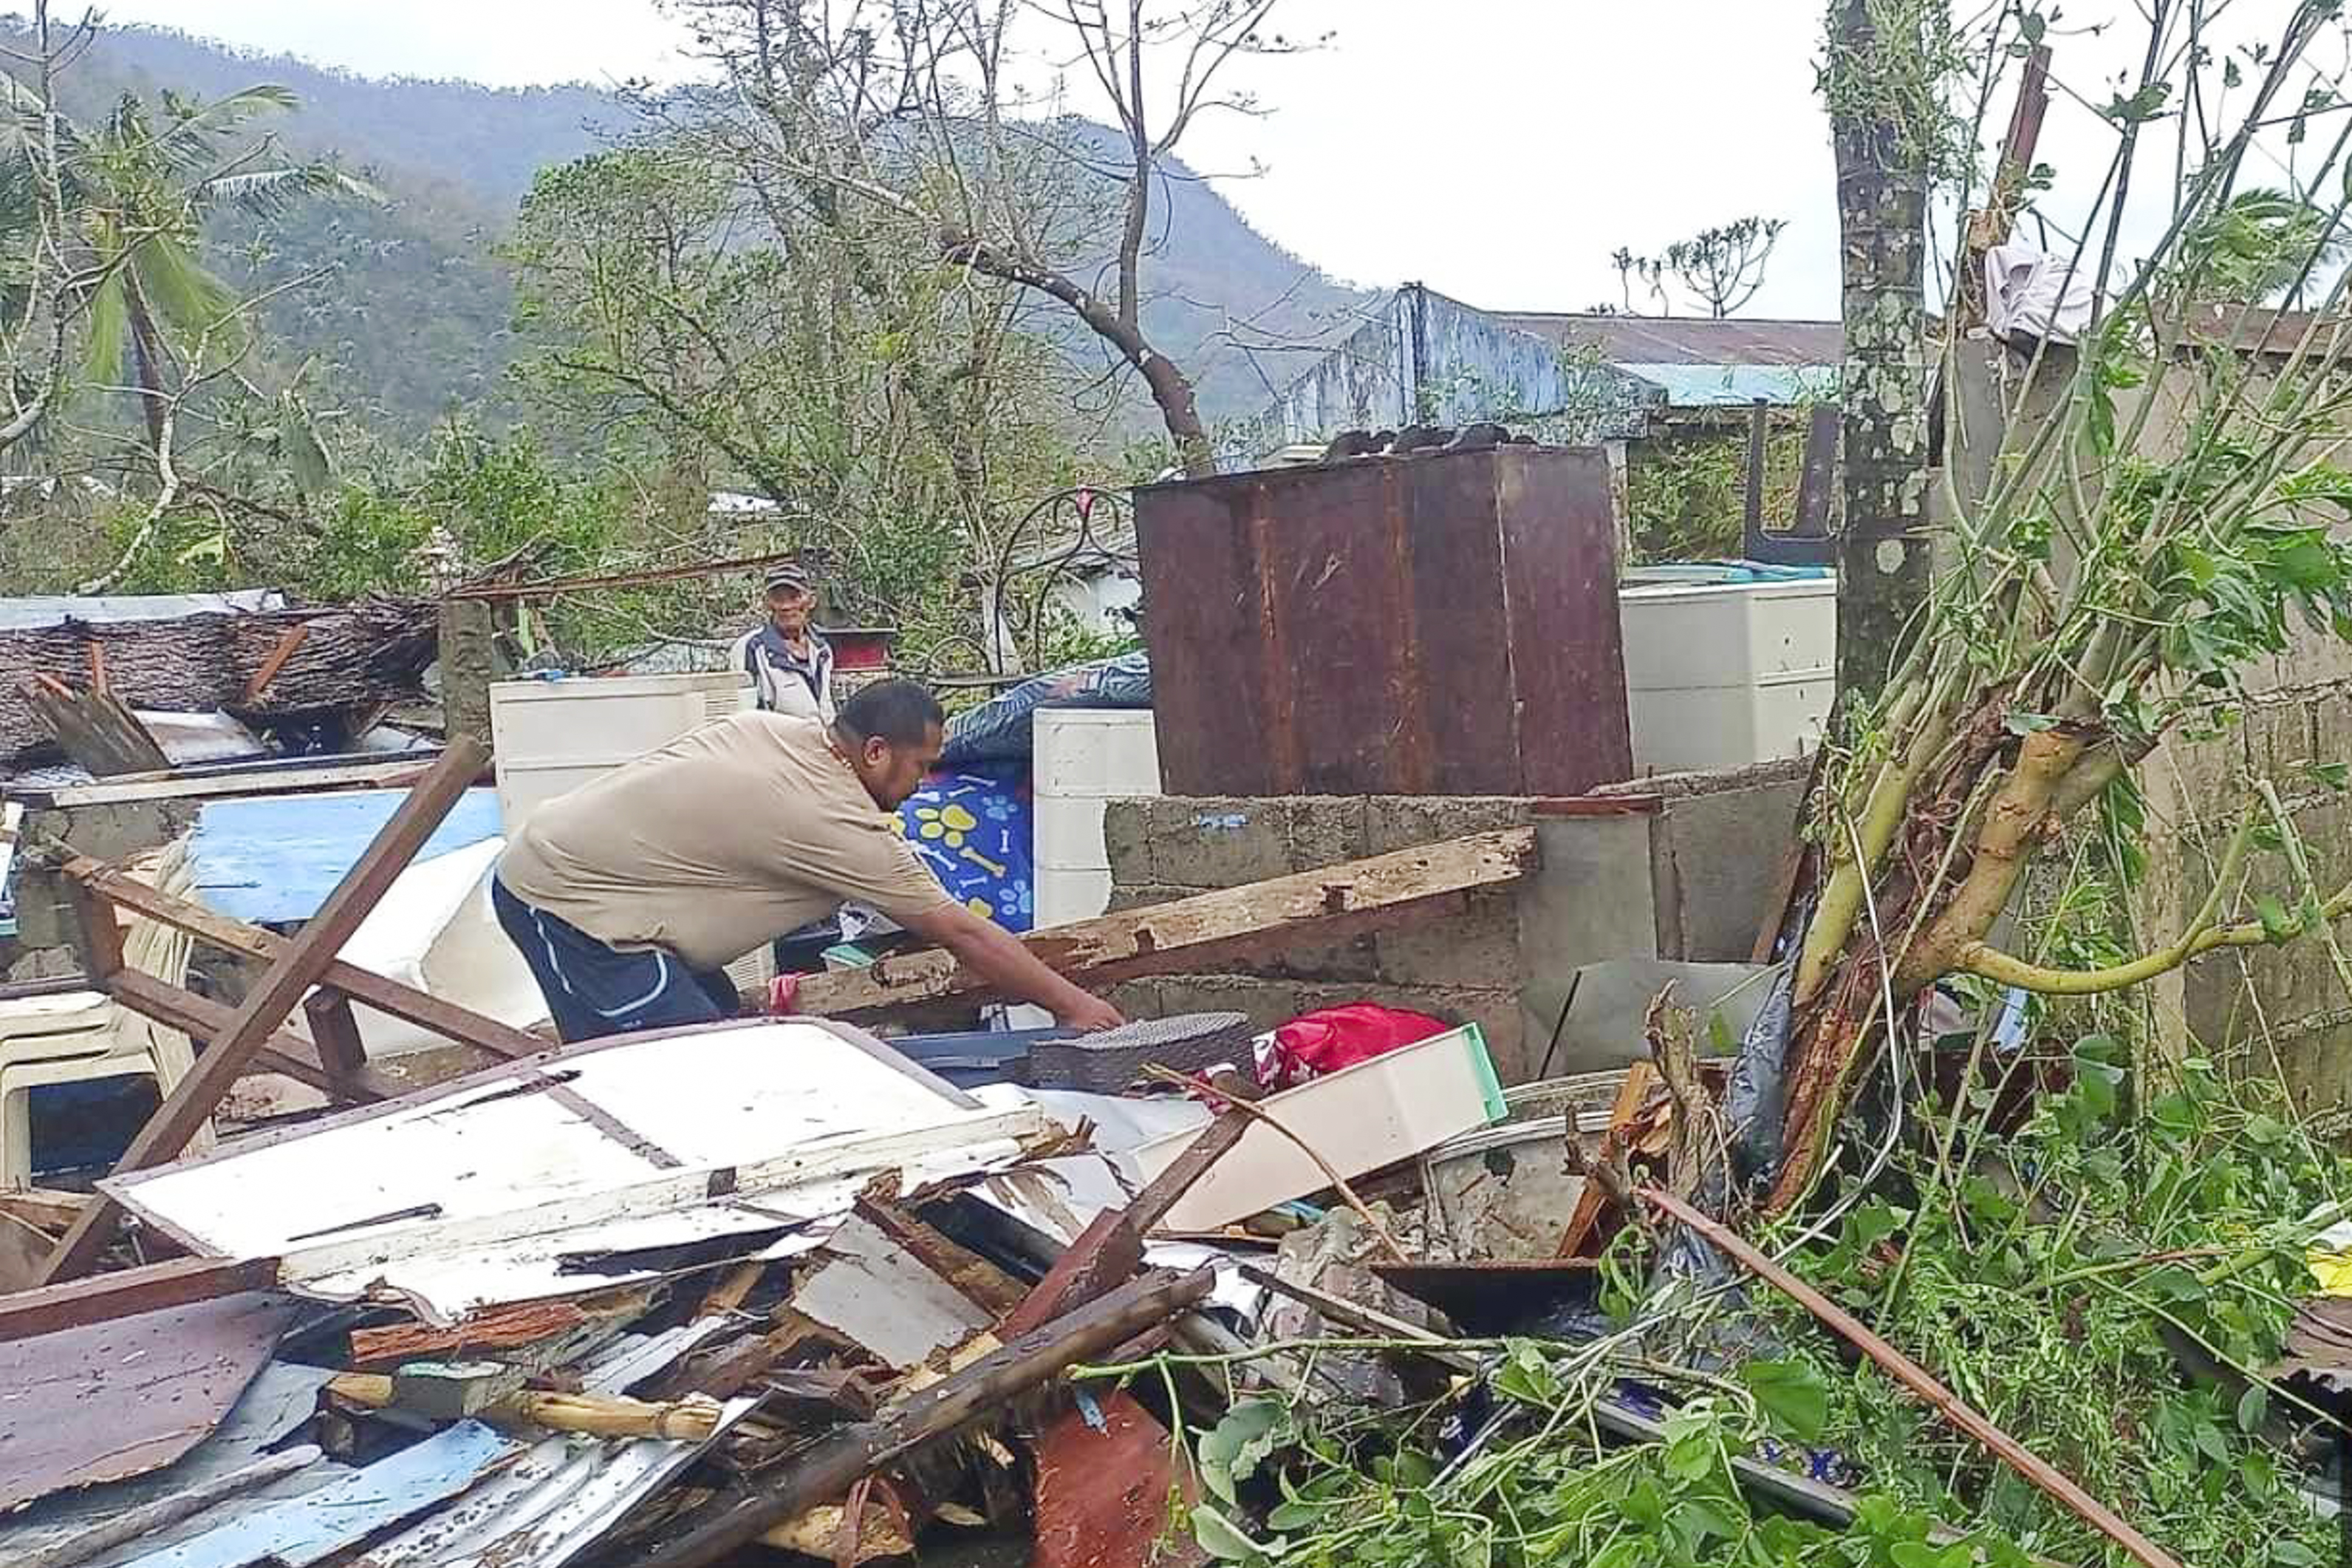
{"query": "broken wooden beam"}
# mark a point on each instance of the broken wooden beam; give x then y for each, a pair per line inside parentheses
(275, 996)
(1206, 929)
(437, 1014)
(93, 728)
(1110, 1248)
(126, 1292)
(202, 1019)
(825, 1470)
(2052, 1481)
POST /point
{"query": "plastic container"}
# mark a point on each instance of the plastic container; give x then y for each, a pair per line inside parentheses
(551, 736)
(1360, 1119)
(1725, 674)
(1082, 759)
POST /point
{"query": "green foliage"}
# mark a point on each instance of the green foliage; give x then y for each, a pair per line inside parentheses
(2257, 245)
(2053, 1277)
(1685, 492)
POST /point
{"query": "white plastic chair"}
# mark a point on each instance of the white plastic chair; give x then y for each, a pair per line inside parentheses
(75, 1037)
(71, 1037)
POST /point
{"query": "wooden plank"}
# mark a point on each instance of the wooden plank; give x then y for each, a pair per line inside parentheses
(275, 661)
(337, 1033)
(266, 1005)
(146, 1289)
(1259, 918)
(95, 729)
(202, 1019)
(292, 776)
(101, 932)
(437, 1014)
(1110, 1248)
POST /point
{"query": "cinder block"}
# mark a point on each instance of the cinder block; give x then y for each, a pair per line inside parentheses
(1137, 998)
(1592, 896)
(1727, 850)
(1477, 947)
(1218, 841)
(1266, 1002)
(1127, 842)
(1408, 822)
(2209, 771)
(2278, 743)
(1327, 831)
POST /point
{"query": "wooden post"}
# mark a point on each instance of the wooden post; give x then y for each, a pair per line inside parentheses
(274, 996)
(337, 1034)
(469, 661)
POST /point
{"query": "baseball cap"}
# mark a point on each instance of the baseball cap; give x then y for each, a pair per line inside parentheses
(789, 577)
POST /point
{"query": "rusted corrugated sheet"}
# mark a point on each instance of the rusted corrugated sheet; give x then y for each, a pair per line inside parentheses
(121, 1398)
(1686, 339)
(1443, 623)
(1104, 1477)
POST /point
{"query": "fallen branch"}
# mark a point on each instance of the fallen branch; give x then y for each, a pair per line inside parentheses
(1916, 1378)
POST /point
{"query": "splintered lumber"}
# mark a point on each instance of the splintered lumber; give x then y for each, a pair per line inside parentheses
(1110, 1248)
(94, 729)
(350, 657)
(825, 1470)
(1207, 929)
(1917, 1379)
(495, 1329)
(275, 996)
(693, 1420)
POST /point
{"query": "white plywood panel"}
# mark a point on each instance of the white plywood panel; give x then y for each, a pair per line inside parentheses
(1100, 752)
(1070, 833)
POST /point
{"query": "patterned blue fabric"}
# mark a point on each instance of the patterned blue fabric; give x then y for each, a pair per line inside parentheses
(973, 827)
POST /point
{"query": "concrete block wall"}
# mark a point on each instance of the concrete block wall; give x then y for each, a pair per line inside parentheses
(47, 944)
(2280, 1010)
(1689, 879)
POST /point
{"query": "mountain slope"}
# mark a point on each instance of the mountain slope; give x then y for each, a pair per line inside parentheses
(417, 319)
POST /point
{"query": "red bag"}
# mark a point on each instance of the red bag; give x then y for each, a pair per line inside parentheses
(1329, 1039)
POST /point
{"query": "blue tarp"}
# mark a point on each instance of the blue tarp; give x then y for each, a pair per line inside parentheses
(275, 858)
(973, 828)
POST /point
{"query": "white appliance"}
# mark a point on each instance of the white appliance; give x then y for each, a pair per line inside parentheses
(1081, 760)
(551, 736)
(1724, 668)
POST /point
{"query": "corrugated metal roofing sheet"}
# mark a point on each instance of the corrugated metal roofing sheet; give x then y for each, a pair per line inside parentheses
(280, 1398)
(37, 611)
(1730, 386)
(1686, 339)
(275, 858)
(122, 1398)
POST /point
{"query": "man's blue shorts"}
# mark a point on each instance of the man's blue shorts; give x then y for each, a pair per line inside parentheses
(593, 989)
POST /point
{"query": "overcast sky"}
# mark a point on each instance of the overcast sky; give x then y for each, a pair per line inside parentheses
(1496, 150)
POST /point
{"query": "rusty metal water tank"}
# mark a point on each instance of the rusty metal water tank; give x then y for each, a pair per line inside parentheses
(1442, 622)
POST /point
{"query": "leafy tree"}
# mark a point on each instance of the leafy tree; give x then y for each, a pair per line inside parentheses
(891, 411)
(138, 187)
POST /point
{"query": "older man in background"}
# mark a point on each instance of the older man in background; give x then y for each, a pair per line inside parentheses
(791, 665)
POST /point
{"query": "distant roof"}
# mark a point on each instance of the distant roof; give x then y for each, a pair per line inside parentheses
(1631, 341)
(37, 611)
(1730, 386)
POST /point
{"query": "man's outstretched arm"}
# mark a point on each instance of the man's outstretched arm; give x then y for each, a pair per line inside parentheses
(996, 955)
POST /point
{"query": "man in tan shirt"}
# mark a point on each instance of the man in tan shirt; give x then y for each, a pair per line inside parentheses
(629, 895)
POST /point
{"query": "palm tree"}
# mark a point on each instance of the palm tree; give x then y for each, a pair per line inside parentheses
(2258, 243)
(142, 186)
(136, 190)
